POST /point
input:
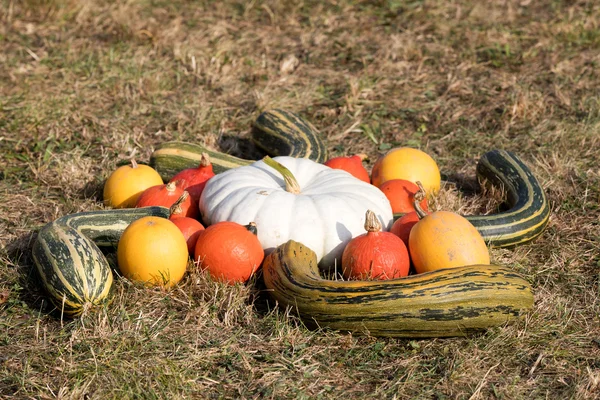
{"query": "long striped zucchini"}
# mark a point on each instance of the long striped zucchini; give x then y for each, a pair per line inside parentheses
(277, 132)
(442, 303)
(67, 255)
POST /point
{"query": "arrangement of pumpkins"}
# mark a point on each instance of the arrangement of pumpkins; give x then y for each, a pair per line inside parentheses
(335, 208)
(307, 220)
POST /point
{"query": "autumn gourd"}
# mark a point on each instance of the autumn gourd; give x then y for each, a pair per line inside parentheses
(295, 198)
(153, 251)
(126, 184)
(194, 179)
(189, 227)
(403, 225)
(230, 252)
(444, 239)
(409, 164)
(401, 194)
(375, 254)
(166, 195)
(352, 164)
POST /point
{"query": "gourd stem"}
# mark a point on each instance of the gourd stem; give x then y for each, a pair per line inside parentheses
(419, 197)
(372, 223)
(252, 228)
(176, 207)
(205, 160)
(171, 186)
(291, 184)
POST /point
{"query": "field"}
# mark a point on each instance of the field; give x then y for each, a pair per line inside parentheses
(86, 84)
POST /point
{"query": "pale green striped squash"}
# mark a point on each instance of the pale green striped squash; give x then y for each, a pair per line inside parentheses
(68, 259)
(442, 303)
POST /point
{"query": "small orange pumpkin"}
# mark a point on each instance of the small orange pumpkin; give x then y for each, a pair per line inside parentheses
(190, 227)
(375, 254)
(166, 195)
(352, 164)
(125, 185)
(403, 225)
(401, 194)
(230, 252)
(410, 164)
(444, 239)
(194, 179)
(153, 250)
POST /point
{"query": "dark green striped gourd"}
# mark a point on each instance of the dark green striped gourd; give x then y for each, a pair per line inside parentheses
(67, 255)
(442, 303)
(528, 212)
(277, 132)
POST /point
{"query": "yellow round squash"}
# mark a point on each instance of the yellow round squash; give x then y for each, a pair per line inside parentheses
(409, 164)
(154, 251)
(444, 239)
(125, 185)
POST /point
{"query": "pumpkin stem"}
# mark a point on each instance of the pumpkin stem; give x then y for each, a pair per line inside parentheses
(252, 228)
(419, 197)
(372, 223)
(176, 209)
(171, 186)
(291, 184)
(362, 156)
(205, 160)
(134, 164)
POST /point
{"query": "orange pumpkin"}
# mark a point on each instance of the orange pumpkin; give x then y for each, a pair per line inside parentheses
(409, 164)
(230, 252)
(444, 239)
(153, 250)
(125, 185)
(190, 227)
(403, 225)
(166, 195)
(401, 194)
(194, 179)
(375, 254)
(352, 164)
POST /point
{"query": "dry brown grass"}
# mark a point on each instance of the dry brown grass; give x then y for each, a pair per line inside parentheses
(85, 83)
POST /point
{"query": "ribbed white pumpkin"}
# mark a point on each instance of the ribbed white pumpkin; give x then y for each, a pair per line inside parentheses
(325, 215)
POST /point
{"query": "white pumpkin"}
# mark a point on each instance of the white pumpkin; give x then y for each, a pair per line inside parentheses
(325, 215)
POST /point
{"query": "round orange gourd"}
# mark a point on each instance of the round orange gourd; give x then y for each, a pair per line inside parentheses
(166, 195)
(375, 254)
(126, 184)
(403, 225)
(194, 179)
(444, 239)
(190, 227)
(153, 250)
(410, 164)
(401, 194)
(229, 251)
(351, 164)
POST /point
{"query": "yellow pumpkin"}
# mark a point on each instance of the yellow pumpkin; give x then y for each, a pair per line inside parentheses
(125, 185)
(154, 251)
(409, 164)
(444, 239)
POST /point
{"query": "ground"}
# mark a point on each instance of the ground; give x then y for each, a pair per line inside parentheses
(86, 84)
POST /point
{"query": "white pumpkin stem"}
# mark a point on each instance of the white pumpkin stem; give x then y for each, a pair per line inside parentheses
(372, 223)
(291, 184)
(419, 197)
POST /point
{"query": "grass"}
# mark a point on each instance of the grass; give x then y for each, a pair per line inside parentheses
(83, 84)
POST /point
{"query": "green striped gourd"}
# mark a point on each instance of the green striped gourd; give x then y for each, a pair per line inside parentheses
(67, 255)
